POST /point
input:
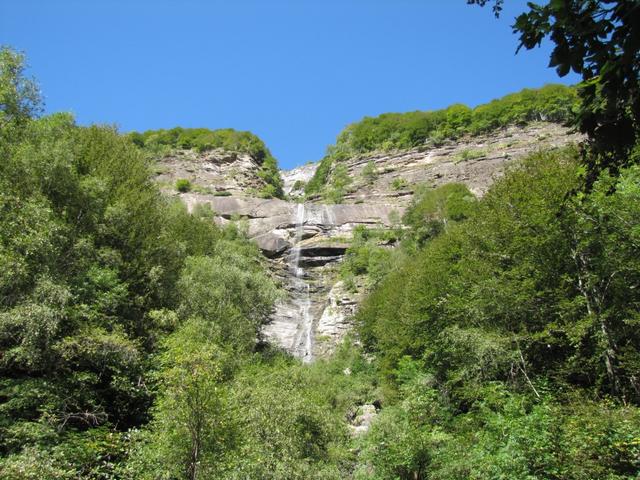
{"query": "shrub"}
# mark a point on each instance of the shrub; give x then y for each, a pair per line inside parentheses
(319, 178)
(369, 172)
(268, 191)
(399, 183)
(298, 186)
(469, 154)
(183, 185)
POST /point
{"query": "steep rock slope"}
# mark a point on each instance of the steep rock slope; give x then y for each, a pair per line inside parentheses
(216, 172)
(305, 243)
(391, 177)
(296, 178)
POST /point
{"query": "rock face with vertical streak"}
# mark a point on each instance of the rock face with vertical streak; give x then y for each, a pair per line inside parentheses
(296, 178)
(306, 243)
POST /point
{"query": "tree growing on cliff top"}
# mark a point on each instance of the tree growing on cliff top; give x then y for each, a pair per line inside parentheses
(599, 40)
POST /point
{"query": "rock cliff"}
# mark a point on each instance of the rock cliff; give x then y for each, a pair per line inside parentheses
(305, 243)
(214, 172)
(474, 161)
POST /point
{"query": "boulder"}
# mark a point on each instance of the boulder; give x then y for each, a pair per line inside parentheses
(361, 419)
(272, 245)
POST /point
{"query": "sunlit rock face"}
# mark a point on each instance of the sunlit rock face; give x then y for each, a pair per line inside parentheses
(295, 179)
(217, 172)
(474, 161)
(267, 220)
(305, 244)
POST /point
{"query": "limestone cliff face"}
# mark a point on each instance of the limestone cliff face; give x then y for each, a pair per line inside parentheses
(305, 244)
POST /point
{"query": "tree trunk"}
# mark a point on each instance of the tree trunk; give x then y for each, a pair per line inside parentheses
(594, 299)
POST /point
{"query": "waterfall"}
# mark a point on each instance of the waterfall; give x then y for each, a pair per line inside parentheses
(295, 252)
(304, 337)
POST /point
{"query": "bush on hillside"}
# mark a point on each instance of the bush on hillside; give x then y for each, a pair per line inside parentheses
(183, 185)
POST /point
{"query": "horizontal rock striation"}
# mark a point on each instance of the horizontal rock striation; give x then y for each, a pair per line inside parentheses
(272, 223)
(474, 161)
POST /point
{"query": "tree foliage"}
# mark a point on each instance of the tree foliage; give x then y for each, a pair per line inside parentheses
(528, 281)
(101, 274)
(511, 350)
(499, 340)
(553, 103)
(20, 97)
(599, 40)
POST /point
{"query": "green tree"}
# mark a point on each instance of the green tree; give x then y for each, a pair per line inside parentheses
(369, 172)
(340, 180)
(192, 424)
(599, 41)
(287, 428)
(432, 210)
(605, 249)
(20, 98)
(229, 291)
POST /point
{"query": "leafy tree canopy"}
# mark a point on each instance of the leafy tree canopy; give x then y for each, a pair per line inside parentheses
(600, 40)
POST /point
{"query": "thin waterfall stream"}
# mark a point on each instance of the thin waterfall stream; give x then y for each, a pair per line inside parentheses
(304, 337)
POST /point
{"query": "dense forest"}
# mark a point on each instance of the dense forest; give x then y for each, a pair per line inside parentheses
(500, 337)
(512, 349)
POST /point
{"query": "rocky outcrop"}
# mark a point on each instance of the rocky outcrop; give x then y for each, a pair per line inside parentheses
(336, 318)
(214, 172)
(272, 222)
(296, 178)
(361, 419)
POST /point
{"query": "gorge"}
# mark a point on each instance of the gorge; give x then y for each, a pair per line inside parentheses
(433, 295)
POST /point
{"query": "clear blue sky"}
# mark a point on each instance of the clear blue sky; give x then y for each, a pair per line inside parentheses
(295, 72)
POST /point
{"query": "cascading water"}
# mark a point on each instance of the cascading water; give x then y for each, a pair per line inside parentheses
(295, 251)
(304, 337)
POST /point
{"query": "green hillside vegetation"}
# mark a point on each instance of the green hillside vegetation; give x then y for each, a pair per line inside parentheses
(100, 276)
(202, 140)
(128, 326)
(512, 348)
(397, 131)
(551, 103)
(499, 338)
